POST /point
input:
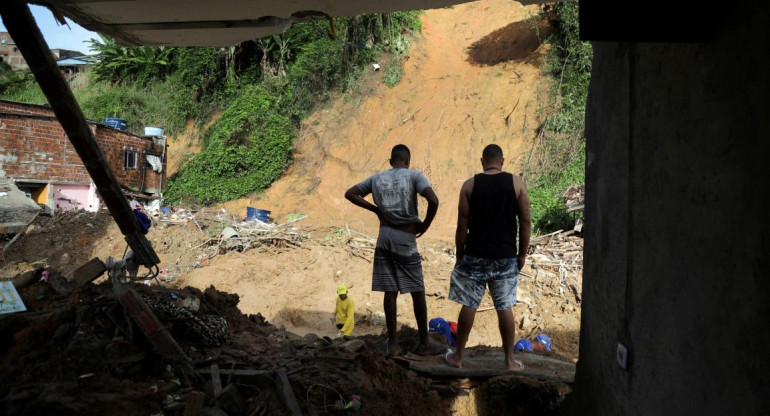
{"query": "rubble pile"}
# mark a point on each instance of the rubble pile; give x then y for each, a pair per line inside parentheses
(75, 351)
(228, 232)
(554, 279)
(61, 242)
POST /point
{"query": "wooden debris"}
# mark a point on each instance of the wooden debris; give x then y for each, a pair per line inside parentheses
(194, 403)
(574, 198)
(88, 272)
(288, 394)
(242, 236)
(216, 380)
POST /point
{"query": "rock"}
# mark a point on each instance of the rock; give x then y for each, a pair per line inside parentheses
(354, 345)
(310, 338)
(378, 318)
(191, 302)
(292, 336)
(30, 229)
(64, 259)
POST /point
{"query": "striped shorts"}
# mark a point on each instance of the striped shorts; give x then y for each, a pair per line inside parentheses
(397, 263)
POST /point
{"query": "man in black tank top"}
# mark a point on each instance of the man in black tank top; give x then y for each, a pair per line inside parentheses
(493, 208)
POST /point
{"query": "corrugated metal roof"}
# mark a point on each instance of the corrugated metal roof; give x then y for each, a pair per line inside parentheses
(71, 61)
(216, 23)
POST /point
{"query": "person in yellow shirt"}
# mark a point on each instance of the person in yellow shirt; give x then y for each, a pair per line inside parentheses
(344, 312)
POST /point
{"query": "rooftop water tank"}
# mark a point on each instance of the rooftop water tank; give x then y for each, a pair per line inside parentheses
(115, 123)
(153, 131)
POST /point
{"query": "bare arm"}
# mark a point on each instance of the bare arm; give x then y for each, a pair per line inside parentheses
(354, 195)
(463, 215)
(432, 199)
(525, 220)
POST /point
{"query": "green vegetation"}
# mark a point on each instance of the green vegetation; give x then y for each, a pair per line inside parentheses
(19, 85)
(393, 73)
(244, 151)
(561, 139)
(262, 88)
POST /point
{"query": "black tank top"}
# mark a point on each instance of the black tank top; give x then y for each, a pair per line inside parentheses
(492, 226)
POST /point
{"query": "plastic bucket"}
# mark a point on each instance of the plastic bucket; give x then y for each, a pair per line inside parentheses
(115, 123)
(153, 131)
(256, 214)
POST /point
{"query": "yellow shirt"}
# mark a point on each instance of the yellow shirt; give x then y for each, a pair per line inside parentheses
(345, 312)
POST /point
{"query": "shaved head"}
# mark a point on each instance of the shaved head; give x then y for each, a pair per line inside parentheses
(492, 153)
(400, 153)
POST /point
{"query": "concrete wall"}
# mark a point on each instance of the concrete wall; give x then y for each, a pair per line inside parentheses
(678, 227)
(34, 146)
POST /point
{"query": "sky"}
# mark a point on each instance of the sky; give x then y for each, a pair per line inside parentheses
(60, 37)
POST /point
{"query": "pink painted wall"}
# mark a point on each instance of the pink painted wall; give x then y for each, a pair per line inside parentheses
(70, 196)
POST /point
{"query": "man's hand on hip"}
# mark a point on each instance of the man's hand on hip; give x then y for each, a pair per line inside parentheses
(422, 227)
(520, 260)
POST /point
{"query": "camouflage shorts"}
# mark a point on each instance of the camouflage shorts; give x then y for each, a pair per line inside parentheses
(472, 275)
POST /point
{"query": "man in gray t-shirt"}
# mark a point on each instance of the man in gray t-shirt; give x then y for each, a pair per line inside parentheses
(395, 194)
(397, 265)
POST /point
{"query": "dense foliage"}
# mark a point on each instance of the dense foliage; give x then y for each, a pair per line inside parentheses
(244, 151)
(561, 143)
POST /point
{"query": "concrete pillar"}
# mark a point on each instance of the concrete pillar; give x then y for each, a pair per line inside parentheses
(678, 227)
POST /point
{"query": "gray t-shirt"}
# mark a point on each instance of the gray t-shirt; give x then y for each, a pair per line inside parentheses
(395, 192)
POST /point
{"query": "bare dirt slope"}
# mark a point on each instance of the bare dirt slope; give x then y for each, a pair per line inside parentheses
(472, 78)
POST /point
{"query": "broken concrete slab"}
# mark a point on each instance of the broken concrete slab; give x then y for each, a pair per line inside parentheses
(354, 345)
(16, 209)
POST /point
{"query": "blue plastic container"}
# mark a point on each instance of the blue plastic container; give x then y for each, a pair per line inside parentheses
(115, 123)
(256, 214)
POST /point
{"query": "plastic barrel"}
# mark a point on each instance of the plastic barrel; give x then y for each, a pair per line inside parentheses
(115, 123)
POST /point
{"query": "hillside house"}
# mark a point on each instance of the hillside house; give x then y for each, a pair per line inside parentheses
(10, 53)
(37, 155)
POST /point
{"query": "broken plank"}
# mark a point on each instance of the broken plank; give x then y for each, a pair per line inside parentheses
(88, 272)
(193, 404)
(152, 328)
(488, 364)
(216, 380)
(288, 394)
(238, 372)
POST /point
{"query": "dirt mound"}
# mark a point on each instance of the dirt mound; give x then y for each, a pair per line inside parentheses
(62, 242)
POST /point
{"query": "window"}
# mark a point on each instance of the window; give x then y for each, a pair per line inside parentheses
(129, 160)
(15, 49)
(4, 40)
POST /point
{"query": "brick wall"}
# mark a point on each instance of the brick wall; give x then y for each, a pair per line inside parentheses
(33, 145)
(11, 53)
